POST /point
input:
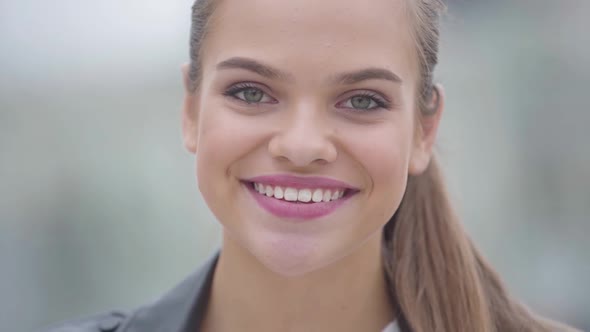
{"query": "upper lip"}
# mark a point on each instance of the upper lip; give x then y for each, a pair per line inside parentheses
(300, 182)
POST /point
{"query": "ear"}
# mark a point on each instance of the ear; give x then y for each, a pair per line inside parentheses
(427, 129)
(189, 112)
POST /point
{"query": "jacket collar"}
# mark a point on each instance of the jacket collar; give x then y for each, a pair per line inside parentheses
(181, 309)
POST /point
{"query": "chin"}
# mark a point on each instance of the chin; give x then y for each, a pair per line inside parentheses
(288, 257)
(294, 256)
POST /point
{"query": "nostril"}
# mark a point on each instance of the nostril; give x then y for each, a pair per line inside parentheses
(302, 150)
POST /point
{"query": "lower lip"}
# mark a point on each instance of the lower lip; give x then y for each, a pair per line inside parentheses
(296, 210)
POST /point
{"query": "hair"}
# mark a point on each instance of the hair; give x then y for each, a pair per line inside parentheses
(437, 279)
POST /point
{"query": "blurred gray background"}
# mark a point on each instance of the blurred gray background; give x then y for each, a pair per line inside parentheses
(98, 202)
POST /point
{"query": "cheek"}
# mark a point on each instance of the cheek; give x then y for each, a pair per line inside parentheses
(225, 139)
(220, 142)
(384, 154)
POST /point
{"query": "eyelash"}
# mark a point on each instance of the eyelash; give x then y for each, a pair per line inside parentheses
(381, 102)
(233, 90)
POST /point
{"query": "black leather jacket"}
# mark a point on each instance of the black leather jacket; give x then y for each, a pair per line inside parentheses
(179, 310)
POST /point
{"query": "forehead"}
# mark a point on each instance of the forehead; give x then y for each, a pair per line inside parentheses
(305, 35)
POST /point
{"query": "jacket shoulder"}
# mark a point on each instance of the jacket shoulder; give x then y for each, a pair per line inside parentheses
(113, 321)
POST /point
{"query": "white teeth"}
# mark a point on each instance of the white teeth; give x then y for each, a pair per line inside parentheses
(327, 196)
(279, 193)
(302, 195)
(335, 195)
(317, 196)
(269, 191)
(291, 194)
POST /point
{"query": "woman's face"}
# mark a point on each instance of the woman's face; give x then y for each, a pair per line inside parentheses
(299, 98)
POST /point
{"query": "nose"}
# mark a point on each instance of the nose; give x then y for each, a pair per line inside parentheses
(305, 138)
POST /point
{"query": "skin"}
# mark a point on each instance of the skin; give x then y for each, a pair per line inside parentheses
(325, 274)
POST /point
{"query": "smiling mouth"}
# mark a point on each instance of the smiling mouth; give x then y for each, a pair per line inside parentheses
(304, 195)
(299, 201)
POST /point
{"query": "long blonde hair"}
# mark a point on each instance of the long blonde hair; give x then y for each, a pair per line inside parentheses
(437, 279)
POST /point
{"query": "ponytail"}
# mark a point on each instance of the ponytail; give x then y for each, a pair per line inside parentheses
(437, 279)
(428, 261)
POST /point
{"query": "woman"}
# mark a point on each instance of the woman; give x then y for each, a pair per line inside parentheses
(313, 125)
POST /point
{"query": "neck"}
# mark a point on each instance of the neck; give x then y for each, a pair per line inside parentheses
(349, 295)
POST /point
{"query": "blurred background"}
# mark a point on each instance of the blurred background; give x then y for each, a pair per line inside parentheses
(98, 203)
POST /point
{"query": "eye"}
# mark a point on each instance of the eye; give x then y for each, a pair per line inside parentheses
(362, 102)
(249, 93)
(365, 101)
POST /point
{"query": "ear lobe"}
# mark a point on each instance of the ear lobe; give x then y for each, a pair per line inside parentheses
(427, 132)
(189, 112)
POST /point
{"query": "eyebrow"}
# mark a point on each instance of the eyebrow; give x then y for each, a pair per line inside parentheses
(269, 72)
(367, 74)
(255, 67)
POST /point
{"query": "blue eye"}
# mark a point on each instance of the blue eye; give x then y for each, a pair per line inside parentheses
(248, 93)
(362, 102)
(365, 101)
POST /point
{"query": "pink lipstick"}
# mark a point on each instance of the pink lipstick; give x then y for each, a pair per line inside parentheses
(296, 197)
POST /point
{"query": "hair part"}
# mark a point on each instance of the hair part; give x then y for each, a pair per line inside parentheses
(437, 279)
